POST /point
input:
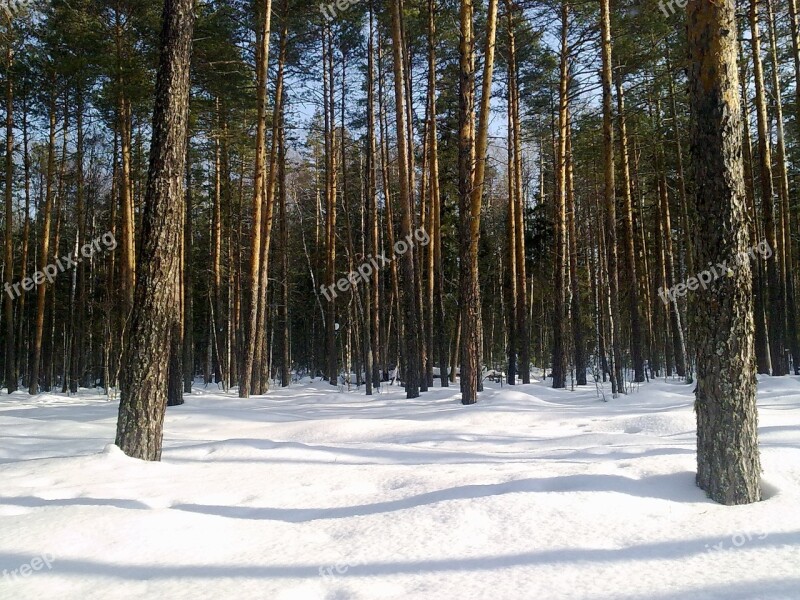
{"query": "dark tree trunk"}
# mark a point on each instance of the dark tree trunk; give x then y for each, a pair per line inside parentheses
(8, 299)
(146, 360)
(728, 463)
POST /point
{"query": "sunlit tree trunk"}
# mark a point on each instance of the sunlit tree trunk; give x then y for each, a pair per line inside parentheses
(775, 306)
(785, 238)
(559, 364)
(728, 463)
(157, 297)
(610, 200)
(262, 61)
(44, 247)
(408, 296)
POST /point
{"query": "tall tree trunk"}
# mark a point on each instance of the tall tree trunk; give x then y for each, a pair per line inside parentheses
(560, 365)
(44, 249)
(217, 321)
(763, 362)
(8, 270)
(523, 327)
(678, 346)
(330, 204)
(372, 328)
(617, 384)
(579, 350)
(728, 463)
(776, 309)
(262, 62)
(260, 382)
(188, 283)
(637, 335)
(471, 218)
(408, 296)
(437, 315)
(510, 279)
(284, 266)
(22, 354)
(128, 269)
(784, 240)
(77, 370)
(156, 304)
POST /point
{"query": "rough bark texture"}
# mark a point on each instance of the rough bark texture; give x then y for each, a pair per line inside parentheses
(728, 464)
(145, 368)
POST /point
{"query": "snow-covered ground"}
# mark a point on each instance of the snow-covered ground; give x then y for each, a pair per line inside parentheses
(312, 494)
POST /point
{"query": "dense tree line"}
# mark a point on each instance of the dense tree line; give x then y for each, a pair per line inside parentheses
(426, 188)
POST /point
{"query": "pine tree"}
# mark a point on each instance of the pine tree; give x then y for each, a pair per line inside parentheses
(728, 464)
(145, 365)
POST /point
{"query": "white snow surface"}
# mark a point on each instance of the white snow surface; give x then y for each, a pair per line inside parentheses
(309, 493)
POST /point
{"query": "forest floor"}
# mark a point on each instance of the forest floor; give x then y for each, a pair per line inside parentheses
(313, 494)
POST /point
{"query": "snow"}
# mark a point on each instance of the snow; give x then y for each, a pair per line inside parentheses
(314, 494)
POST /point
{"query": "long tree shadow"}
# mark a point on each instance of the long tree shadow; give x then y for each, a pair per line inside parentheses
(643, 552)
(675, 487)
(37, 502)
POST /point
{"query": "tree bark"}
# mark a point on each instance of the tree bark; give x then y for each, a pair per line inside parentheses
(775, 306)
(785, 239)
(8, 270)
(44, 249)
(610, 200)
(728, 463)
(637, 335)
(408, 296)
(145, 370)
(262, 62)
(559, 364)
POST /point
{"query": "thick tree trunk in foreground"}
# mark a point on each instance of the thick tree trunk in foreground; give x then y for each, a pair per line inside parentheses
(728, 464)
(156, 302)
